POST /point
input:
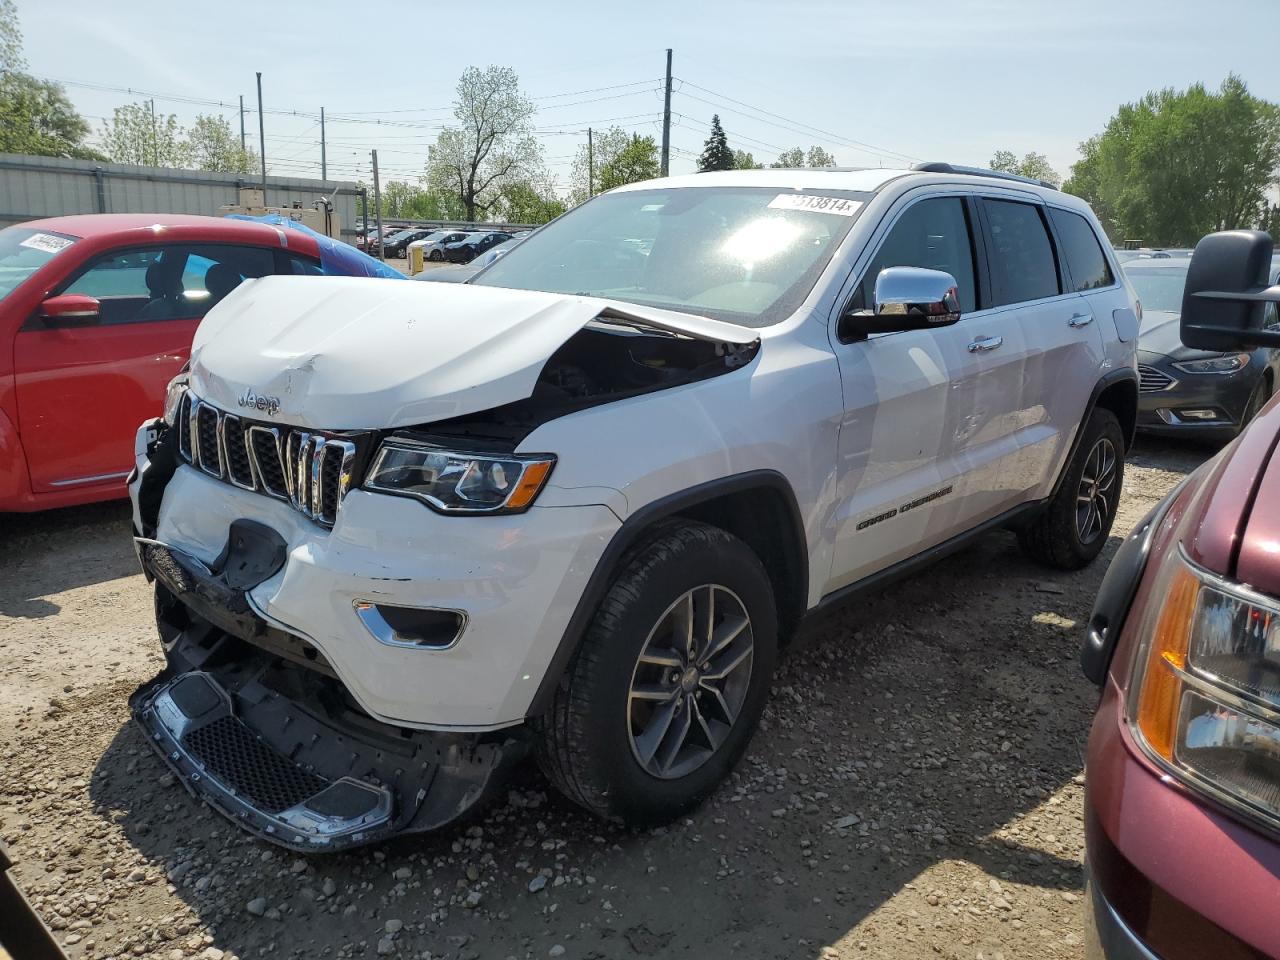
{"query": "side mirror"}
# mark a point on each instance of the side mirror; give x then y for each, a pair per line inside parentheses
(70, 310)
(1226, 294)
(906, 298)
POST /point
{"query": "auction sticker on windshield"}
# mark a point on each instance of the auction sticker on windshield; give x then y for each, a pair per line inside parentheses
(816, 204)
(46, 242)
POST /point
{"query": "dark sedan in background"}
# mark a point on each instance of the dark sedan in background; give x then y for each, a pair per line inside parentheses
(473, 244)
(1186, 391)
(397, 244)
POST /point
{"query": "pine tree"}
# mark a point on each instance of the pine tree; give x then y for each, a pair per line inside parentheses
(716, 154)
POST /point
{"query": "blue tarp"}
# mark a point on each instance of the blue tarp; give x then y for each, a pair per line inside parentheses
(336, 258)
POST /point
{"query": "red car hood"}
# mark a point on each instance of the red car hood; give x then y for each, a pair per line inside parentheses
(1235, 513)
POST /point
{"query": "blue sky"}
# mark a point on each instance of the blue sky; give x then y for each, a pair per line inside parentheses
(881, 80)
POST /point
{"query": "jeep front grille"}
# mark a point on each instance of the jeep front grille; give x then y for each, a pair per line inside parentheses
(310, 470)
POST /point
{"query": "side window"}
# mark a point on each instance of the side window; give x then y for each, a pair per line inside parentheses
(1022, 263)
(1085, 260)
(166, 283)
(933, 234)
(303, 267)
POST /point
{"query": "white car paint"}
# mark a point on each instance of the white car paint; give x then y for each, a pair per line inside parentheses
(345, 353)
(856, 430)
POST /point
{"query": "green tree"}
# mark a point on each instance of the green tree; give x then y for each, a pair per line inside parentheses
(818, 157)
(742, 160)
(214, 147)
(606, 145)
(1033, 165)
(789, 159)
(35, 115)
(716, 154)
(636, 161)
(529, 201)
(136, 135)
(492, 144)
(1179, 164)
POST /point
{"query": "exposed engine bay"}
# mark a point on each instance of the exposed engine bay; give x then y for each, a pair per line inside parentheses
(611, 358)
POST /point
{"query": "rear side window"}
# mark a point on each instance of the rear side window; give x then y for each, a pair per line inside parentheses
(1022, 263)
(1086, 262)
(933, 234)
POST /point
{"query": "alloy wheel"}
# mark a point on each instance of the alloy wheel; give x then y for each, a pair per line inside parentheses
(1096, 496)
(690, 681)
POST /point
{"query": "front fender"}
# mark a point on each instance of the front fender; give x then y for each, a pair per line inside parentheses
(15, 481)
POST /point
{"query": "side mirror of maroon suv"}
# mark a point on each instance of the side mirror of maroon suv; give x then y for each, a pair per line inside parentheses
(1182, 808)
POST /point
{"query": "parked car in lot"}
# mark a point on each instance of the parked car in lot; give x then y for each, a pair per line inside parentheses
(397, 244)
(473, 244)
(1185, 391)
(461, 273)
(576, 505)
(97, 313)
(433, 243)
(1182, 808)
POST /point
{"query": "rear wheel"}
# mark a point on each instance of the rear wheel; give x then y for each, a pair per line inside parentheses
(435, 255)
(1074, 527)
(668, 686)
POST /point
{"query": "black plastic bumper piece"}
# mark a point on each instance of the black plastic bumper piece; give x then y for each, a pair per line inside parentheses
(276, 743)
(1118, 588)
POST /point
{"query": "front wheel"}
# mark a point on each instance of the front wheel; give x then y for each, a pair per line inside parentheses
(1074, 527)
(435, 255)
(668, 686)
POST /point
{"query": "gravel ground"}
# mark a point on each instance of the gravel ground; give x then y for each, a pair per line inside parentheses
(915, 791)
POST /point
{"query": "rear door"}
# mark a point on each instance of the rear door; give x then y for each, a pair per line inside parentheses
(929, 414)
(82, 390)
(1063, 332)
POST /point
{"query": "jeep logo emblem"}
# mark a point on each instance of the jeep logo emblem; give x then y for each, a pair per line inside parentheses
(256, 401)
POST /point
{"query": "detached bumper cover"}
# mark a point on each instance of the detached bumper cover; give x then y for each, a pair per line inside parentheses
(264, 733)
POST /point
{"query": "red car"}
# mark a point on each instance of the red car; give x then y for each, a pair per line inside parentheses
(1182, 809)
(97, 314)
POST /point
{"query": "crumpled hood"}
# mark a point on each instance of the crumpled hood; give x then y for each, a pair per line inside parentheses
(347, 353)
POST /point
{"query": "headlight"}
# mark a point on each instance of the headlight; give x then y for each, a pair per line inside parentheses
(1205, 697)
(1227, 363)
(454, 482)
(173, 396)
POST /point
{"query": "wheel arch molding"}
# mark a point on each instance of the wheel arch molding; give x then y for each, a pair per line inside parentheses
(1116, 391)
(758, 506)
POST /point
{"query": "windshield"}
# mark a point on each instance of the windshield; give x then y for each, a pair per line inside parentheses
(748, 255)
(23, 251)
(1160, 288)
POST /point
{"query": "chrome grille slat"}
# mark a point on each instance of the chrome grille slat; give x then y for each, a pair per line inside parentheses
(1151, 380)
(311, 471)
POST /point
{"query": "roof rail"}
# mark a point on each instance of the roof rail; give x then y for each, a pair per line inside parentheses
(937, 166)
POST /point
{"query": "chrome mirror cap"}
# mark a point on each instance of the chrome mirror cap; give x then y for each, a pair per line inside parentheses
(929, 297)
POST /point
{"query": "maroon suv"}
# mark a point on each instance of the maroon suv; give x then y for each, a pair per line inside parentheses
(1182, 809)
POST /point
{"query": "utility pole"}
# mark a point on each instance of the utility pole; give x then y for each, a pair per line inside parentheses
(244, 144)
(155, 145)
(377, 208)
(324, 167)
(666, 121)
(591, 167)
(262, 140)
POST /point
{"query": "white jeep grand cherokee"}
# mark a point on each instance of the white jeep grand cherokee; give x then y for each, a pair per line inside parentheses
(402, 533)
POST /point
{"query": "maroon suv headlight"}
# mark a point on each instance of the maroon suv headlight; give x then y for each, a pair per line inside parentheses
(1204, 701)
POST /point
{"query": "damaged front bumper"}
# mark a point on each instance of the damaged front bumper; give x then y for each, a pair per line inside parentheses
(281, 749)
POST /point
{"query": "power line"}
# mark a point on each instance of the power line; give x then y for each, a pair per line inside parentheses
(835, 138)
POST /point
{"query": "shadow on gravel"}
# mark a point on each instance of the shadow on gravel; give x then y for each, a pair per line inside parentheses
(46, 553)
(909, 735)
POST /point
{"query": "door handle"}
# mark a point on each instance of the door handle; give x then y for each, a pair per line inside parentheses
(983, 344)
(1080, 320)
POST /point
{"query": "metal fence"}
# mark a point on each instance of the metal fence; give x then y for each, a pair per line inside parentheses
(35, 187)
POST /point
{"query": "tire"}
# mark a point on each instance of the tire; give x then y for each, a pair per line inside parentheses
(435, 255)
(1065, 535)
(402, 253)
(591, 742)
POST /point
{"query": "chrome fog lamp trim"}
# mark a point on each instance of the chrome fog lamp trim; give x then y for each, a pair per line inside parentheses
(369, 615)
